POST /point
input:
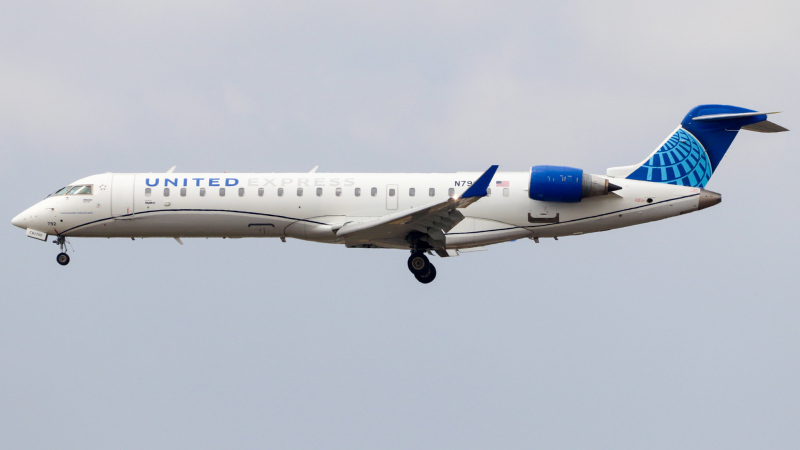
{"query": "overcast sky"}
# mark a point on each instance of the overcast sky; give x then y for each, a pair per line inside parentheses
(682, 333)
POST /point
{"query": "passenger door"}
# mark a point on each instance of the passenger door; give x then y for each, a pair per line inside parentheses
(122, 195)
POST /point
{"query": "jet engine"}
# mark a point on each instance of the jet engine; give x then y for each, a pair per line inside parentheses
(566, 184)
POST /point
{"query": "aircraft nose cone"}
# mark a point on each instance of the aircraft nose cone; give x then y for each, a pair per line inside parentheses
(19, 221)
(708, 199)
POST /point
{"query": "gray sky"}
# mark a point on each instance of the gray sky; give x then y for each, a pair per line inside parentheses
(676, 334)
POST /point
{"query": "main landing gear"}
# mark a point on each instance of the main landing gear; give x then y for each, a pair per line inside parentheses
(63, 257)
(421, 267)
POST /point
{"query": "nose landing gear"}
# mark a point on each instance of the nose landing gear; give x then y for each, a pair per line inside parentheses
(62, 258)
(421, 267)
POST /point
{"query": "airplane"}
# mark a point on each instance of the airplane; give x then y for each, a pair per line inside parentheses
(425, 213)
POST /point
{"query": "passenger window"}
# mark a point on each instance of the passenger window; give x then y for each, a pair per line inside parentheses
(319, 192)
(299, 192)
(202, 192)
(183, 192)
(505, 192)
(391, 192)
(411, 192)
(222, 192)
(241, 192)
(280, 192)
(451, 192)
(166, 192)
(260, 192)
(338, 192)
(358, 192)
(431, 192)
(373, 192)
(488, 192)
(147, 192)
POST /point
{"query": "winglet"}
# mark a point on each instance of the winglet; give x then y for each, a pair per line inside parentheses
(478, 188)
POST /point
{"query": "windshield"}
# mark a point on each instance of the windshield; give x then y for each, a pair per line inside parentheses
(85, 189)
(80, 190)
(60, 191)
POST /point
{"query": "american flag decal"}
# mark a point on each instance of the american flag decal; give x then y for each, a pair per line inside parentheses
(501, 183)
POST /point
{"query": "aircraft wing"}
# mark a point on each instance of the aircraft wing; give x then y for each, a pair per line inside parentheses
(426, 223)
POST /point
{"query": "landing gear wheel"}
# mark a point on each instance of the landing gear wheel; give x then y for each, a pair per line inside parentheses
(62, 259)
(417, 263)
(428, 277)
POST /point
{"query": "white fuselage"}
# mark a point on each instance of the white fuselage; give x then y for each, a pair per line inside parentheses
(312, 206)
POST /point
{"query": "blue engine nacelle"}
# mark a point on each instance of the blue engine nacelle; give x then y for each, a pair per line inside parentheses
(566, 184)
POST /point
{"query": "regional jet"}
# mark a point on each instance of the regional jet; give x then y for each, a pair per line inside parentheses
(428, 214)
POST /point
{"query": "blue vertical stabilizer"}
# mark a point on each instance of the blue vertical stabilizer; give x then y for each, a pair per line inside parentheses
(691, 154)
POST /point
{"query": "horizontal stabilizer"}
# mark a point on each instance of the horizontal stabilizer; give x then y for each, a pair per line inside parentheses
(765, 127)
(732, 116)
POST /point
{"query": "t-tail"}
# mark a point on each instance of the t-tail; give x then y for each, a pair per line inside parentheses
(691, 154)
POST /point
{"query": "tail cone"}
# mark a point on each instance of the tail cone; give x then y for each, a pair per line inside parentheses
(708, 199)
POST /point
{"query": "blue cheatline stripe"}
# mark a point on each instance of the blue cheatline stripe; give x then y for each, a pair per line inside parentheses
(194, 210)
(466, 232)
(582, 218)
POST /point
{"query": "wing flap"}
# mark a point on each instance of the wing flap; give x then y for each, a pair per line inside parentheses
(412, 218)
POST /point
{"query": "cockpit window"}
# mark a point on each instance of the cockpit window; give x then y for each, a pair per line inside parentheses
(73, 190)
(80, 190)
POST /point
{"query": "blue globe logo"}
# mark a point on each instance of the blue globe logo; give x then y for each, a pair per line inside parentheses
(682, 160)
